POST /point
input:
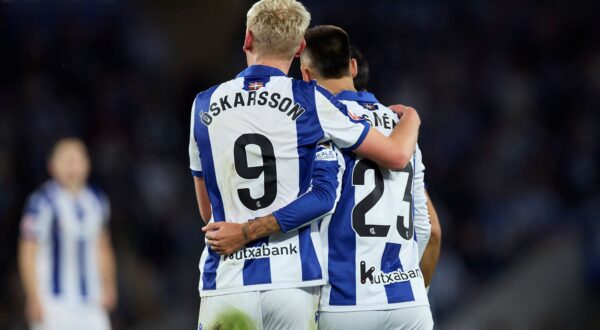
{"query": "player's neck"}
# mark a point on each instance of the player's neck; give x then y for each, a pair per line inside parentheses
(283, 65)
(338, 85)
(72, 188)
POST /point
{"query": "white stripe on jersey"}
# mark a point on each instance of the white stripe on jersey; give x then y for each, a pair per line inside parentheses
(384, 258)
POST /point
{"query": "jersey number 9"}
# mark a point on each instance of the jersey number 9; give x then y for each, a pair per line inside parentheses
(254, 172)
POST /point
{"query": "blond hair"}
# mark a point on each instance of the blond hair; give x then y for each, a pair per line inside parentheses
(278, 27)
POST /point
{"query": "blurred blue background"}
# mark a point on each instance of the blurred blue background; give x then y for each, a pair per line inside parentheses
(508, 93)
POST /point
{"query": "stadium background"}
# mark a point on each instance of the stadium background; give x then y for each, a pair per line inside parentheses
(508, 92)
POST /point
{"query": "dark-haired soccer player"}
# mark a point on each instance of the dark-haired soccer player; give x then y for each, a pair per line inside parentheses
(431, 255)
(372, 255)
(66, 260)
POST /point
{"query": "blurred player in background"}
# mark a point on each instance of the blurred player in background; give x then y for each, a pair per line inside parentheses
(380, 226)
(253, 145)
(432, 251)
(66, 259)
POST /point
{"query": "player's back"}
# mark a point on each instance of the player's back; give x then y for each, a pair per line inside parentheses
(372, 258)
(253, 137)
(253, 141)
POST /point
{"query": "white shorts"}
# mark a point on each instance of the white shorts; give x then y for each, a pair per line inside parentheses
(270, 310)
(57, 316)
(413, 318)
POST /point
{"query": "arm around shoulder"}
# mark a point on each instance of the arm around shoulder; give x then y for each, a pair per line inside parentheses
(394, 151)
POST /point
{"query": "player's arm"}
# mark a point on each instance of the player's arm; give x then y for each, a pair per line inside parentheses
(421, 219)
(28, 250)
(226, 237)
(202, 199)
(33, 224)
(196, 168)
(432, 251)
(106, 258)
(393, 151)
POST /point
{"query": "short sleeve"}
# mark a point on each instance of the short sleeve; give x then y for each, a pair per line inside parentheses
(194, 153)
(36, 218)
(338, 126)
(421, 213)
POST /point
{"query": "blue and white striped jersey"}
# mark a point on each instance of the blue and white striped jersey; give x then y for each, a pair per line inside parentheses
(372, 250)
(254, 140)
(67, 228)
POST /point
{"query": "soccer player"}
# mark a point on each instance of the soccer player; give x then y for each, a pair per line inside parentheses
(373, 255)
(431, 255)
(253, 145)
(65, 256)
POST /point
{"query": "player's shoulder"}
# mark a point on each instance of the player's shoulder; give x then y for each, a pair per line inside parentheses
(97, 192)
(40, 197)
(207, 93)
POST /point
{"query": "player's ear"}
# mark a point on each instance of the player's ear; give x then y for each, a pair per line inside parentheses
(306, 76)
(353, 67)
(301, 48)
(248, 39)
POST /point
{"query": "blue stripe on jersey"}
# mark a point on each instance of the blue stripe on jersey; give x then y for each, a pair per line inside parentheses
(258, 70)
(311, 270)
(308, 134)
(360, 97)
(83, 288)
(56, 249)
(203, 141)
(257, 271)
(390, 262)
(308, 131)
(342, 244)
(81, 253)
(209, 273)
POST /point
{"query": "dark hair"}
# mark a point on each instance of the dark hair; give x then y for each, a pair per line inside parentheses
(362, 75)
(328, 47)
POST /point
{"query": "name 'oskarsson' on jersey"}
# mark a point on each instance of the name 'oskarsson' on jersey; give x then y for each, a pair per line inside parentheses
(249, 101)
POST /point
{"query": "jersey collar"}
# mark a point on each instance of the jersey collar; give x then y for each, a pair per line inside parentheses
(260, 71)
(356, 96)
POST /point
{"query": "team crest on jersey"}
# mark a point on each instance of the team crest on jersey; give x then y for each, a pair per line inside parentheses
(255, 85)
(370, 106)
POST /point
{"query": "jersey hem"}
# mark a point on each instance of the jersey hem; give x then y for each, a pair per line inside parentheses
(379, 307)
(262, 287)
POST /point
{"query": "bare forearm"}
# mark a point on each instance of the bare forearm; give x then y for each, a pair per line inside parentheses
(261, 227)
(202, 199)
(432, 251)
(406, 133)
(107, 263)
(27, 268)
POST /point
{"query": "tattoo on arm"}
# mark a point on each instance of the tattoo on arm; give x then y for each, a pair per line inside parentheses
(260, 227)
